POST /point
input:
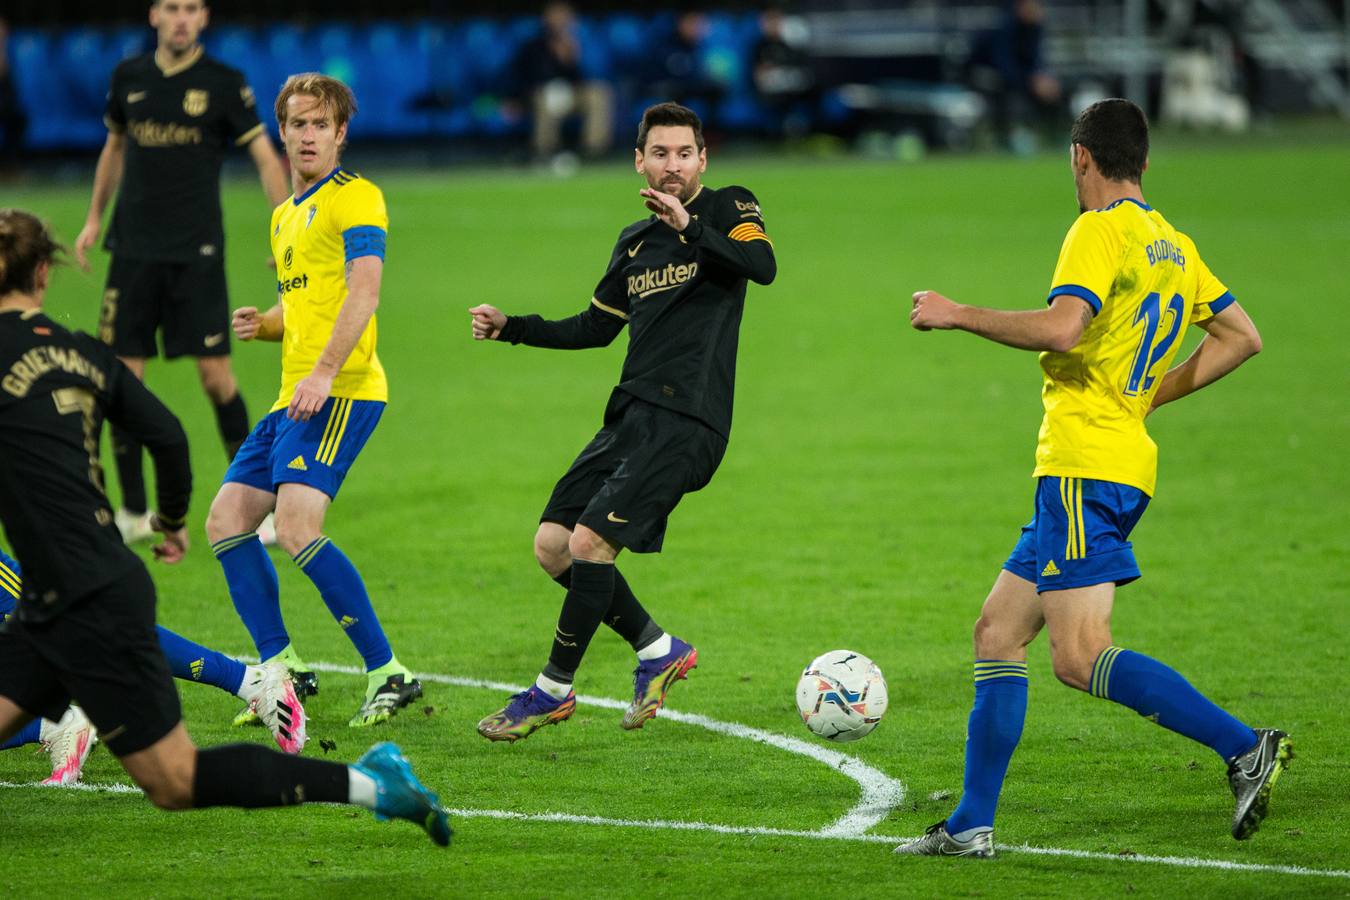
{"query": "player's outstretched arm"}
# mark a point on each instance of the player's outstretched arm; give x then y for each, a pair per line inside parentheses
(1230, 340)
(595, 326)
(1057, 327)
(364, 274)
(107, 176)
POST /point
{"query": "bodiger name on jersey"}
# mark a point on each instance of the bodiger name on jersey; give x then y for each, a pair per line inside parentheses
(56, 388)
(682, 296)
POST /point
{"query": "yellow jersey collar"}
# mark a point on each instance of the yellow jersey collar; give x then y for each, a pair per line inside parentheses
(318, 184)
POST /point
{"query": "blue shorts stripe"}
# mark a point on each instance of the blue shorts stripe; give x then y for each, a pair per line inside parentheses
(318, 452)
(9, 581)
(330, 427)
(1078, 513)
(328, 450)
(1081, 537)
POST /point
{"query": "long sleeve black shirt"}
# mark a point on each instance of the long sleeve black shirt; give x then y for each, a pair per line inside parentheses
(681, 296)
(56, 388)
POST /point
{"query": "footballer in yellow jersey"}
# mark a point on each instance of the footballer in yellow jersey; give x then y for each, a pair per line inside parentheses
(314, 237)
(328, 239)
(1144, 281)
(1125, 284)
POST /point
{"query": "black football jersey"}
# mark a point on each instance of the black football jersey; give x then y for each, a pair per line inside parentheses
(682, 296)
(179, 122)
(56, 388)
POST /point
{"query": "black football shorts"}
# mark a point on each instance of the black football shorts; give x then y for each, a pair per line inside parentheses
(104, 654)
(188, 302)
(629, 478)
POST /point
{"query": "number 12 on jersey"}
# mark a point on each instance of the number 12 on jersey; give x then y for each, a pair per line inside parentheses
(1151, 350)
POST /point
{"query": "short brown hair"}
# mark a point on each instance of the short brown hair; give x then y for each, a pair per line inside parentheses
(669, 115)
(331, 93)
(25, 244)
(1115, 132)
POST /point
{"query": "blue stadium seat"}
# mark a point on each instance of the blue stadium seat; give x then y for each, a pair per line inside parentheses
(243, 48)
(596, 56)
(443, 77)
(32, 60)
(627, 38)
(395, 66)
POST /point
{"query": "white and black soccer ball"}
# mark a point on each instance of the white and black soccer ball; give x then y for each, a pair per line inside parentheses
(842, 696)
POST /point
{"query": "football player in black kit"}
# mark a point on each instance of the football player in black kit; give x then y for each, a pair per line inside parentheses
(84, 629)
(172, 115)
(677, 279)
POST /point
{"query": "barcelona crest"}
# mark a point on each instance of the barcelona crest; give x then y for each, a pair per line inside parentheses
(194, 102)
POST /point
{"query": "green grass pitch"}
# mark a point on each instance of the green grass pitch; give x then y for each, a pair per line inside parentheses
(875, 481)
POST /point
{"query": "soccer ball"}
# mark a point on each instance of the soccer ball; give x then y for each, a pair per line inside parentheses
(841, 696)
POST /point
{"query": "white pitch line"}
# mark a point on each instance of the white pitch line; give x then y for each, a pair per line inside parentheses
(676, 825)
(822, 835)
(77, 786)
(880, 792)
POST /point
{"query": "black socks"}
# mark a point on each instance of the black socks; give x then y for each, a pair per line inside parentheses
(252, 776)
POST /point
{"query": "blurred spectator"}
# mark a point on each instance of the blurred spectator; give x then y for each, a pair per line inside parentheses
(1007, 67)
(679, 73)
(13, 121)
(784, 79)
(549, 68)
(1198, 88)
(1211, 78)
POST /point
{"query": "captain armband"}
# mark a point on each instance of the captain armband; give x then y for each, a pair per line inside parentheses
(363, 240)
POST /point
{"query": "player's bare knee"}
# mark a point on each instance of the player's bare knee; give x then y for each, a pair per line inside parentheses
(217, 378)
(1072, 667)
(550, 549)
(223, 521)
(169, 790)
(994, 639)
(586, 544)
(294, 533)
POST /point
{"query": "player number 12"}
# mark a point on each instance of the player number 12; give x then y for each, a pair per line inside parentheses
(1148, 354)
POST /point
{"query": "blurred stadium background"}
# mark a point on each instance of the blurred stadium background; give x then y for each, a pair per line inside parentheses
(464, 76)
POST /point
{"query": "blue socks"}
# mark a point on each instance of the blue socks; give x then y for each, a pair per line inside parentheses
(1158, 693)
(193, 662)
(992, 734)
(344, 593)
(252, 580)
(29, 734)
(253, 587)
(189, 661)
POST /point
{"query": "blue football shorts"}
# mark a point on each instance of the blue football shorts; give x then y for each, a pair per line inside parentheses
(318, 452)
(1079, 534)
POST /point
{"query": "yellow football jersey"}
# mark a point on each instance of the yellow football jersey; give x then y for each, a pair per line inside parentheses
(1144, 280)
(313, 237)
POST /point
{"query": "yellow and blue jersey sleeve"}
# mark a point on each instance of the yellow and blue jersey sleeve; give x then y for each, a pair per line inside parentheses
(1211, 296)
(359, 215)
(314, 237)
(1088, 261)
